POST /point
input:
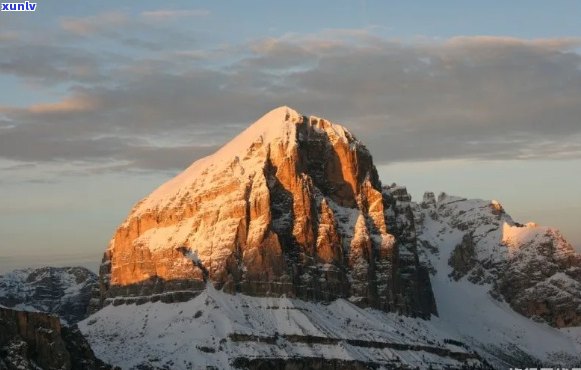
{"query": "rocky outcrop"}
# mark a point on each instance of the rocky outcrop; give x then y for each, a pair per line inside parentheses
(412, 283)
(64, 291)
(293, 206)
(531, 267)
(542, 278)
(463, 258)
(32, 340)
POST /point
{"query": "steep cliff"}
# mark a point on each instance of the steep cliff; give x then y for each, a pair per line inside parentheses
(413, 278)
(33, 340)
(292, 206)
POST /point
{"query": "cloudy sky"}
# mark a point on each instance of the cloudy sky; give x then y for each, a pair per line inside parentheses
(100, 102)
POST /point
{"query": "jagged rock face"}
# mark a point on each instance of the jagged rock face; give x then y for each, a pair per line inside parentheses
(33, 340)
(542, 279)
(27, 338)
(413, 285)
(533, 268)
(65, 291)
(463, 257)
(292, 206)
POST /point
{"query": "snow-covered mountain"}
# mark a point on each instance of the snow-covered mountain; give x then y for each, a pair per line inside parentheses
(291, 207)
(531, 267)
(491, 276)
(284, 250)
(64, 291)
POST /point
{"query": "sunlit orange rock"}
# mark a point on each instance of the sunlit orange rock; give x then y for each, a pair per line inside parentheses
(292, 206)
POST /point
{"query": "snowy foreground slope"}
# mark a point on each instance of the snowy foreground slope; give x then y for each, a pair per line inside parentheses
(224, 330)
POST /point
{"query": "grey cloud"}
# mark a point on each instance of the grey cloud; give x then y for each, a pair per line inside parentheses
(416, 102)
(8, 36)
(100, 23)
(52, 64)
(18, 166)
(167, 158)
(478, 98)
(143, 31)
(30, 146)
(110, 153)
(137, 42)
(108, 22)
(164, 15)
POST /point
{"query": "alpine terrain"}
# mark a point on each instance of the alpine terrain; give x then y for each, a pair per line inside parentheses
(283, 250)
(64, 291)
(38, 312)
(35, 340)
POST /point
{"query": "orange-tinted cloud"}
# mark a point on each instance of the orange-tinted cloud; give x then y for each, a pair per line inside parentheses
(167, 14)
(87, 26)
(68, 105)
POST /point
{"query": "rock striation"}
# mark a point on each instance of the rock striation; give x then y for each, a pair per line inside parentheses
(291, 207)
(217, 330)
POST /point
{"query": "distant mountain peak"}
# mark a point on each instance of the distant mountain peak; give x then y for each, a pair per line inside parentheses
(65, 291)
(531, 267)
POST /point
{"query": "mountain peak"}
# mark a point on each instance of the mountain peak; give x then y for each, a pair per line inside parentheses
(271, 213)
(273, 121)
(279, 127)
(283, 111)
(272, 125)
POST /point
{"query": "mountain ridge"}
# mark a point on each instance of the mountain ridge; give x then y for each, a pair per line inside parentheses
(285, 245)
(531, 267)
